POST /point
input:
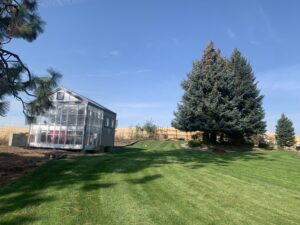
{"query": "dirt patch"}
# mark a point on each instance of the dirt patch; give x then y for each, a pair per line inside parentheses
(221, 148)
(16, 161)
(123, 143)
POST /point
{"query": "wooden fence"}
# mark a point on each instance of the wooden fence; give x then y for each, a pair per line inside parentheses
(5, 133)
(121, 133)
(168, 133)
(161, 133)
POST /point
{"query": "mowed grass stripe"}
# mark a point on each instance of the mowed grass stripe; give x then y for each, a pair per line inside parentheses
(218, 197)
(241, 195)
(273, 172)
(275, 192)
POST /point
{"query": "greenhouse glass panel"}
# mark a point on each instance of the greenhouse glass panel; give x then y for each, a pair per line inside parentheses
(62, 136)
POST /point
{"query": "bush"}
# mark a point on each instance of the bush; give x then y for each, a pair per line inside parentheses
(180, 139)
(196, 136)
(266, 146)
(263, 145)
(150, 128)
(194, 143)
(138, 132)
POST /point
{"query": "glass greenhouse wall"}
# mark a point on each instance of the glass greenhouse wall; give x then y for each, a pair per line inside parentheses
(73, 123)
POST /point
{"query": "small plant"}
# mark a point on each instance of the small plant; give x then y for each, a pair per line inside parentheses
(266, 145)
(196, 136)
(3, 141)
(194, 143)
(150, 128)
(138, 132)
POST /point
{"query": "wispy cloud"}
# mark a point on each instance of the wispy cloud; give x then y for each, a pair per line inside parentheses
(143, 71)
(137, 105)
(121, 73)
(266, 20)
(253, 42)
(280, 80)
(230, 33)
(58, 3)
(138, 71)
(78, 51)
(164, 43)
(287, 86)
(115, 53)
(281, 89)
(175, 41)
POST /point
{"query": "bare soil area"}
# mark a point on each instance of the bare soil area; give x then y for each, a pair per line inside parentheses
(123, 143)
(16, 161)
(221, 148)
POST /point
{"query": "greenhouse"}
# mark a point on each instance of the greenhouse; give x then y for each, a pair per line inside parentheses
(74, 122)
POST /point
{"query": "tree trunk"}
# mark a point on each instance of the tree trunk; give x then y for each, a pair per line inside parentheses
(237, 138)
(213, 138)
(222, 138)
(205, 137)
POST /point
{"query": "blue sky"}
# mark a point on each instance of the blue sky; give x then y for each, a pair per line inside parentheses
(132, 55)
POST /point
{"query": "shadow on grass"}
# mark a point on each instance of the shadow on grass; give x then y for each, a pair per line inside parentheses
(95, 186)
(86, 171)
(145, 179)
(18, 220)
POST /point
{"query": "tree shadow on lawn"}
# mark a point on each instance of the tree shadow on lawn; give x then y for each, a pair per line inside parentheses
(85, 173)
(145, 179)
(18, 220)
(94, 186)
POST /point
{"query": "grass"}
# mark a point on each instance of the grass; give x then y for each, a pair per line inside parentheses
(158, 183)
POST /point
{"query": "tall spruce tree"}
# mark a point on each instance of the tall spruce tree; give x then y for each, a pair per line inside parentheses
(285, 134)
(248, 97)
(19, 19)
(208, 103)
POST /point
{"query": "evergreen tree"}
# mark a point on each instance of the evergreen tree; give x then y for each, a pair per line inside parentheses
(248, 98)
(221, 96)
(19, 19)
(285, 134)
(207, 103)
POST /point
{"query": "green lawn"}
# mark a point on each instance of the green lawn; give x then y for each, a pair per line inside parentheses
(158, 183)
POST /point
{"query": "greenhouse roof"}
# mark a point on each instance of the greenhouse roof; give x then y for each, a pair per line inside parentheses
(85, 99)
